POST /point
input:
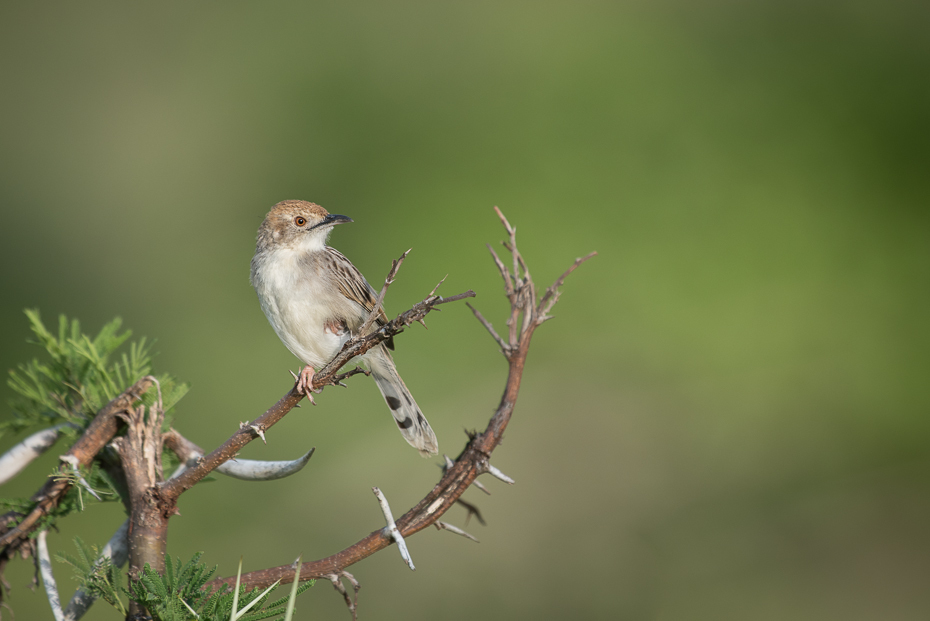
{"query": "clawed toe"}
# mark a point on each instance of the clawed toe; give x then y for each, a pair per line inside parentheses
(305, 382)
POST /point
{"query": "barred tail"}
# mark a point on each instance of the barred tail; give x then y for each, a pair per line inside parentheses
(411, 422)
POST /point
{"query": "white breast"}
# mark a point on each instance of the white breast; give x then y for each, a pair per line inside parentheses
(299, 301)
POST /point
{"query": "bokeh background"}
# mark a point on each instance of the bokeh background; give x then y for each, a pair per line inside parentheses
(728, 418)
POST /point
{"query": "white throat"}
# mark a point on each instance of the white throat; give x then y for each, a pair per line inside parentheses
(314, 241)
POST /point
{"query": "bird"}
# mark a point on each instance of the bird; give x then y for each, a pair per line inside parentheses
(315, 300)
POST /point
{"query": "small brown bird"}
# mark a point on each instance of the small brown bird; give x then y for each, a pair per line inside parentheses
(316, 300)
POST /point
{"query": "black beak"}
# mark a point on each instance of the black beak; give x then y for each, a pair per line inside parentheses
(332, 220)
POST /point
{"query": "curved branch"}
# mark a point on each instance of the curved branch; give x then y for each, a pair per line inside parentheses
(474, 459)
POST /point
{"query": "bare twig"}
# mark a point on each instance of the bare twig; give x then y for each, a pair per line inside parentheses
(512, 248)
(337, 379)
(336, 579)
(508, 285)
(487, 324)
(552, 293)
(376, 309)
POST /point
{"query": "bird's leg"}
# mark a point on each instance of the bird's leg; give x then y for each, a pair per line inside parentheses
(305, 382)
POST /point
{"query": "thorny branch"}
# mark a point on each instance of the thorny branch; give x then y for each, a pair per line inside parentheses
(100, 431)
(159, 497)
(474, 459)
(170, 490)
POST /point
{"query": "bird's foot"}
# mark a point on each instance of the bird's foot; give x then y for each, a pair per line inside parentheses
(305, 382)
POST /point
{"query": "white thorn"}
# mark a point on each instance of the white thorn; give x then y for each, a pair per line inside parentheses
(454, 529)
(259, 432)
(74, 463)
(485, 467)
(500, 475)
(391, 528)
(480, 486)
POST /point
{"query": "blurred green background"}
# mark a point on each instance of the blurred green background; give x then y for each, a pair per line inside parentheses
(728, 418)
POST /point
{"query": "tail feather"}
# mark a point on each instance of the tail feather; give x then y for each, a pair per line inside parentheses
(410, 421)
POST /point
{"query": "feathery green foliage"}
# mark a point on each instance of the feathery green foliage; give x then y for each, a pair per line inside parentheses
(176, 596)
(172, 597)
(93, 481)
(179, 595)
(73, 501)
(96, 574)
(82, 375)
(82, 482)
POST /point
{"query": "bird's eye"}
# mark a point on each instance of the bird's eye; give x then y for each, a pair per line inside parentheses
(299, 221)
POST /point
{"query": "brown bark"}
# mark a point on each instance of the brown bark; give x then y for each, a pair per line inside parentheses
(100, 431)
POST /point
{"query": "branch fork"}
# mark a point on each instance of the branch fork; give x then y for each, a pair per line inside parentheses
(336, 579)
(155, 500)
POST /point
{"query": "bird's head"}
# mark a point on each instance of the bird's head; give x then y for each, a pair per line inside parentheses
(300, 225)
